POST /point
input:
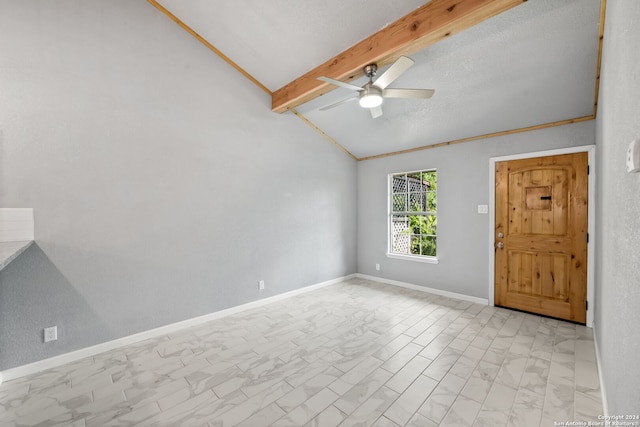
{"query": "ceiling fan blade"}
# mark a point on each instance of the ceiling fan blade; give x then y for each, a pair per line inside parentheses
(408, 93)
(337, 103)
(376, 111)
(401, 65)
(341, 84)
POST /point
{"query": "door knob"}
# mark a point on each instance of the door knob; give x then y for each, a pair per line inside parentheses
(499, 245)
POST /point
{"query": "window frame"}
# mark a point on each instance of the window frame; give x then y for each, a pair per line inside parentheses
(389, 200)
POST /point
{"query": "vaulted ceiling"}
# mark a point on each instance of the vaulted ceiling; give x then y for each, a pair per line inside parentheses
(535, 64)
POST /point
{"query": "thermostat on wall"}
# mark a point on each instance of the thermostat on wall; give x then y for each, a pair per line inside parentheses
(633, 156)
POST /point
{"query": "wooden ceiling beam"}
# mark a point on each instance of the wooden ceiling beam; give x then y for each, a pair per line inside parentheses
(415, 31)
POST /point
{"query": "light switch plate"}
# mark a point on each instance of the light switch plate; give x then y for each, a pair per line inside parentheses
(483, 209)
(50, 334)
(633, 156)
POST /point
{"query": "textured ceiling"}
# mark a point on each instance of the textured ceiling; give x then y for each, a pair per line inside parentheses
(532, 65)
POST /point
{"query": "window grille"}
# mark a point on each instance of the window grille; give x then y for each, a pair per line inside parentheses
(413, 213)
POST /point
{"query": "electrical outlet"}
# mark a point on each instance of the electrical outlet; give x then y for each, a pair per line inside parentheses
(377, 267)
(261, 285)
(50, 334)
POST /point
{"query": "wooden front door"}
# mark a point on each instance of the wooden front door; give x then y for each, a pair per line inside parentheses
(541, 235)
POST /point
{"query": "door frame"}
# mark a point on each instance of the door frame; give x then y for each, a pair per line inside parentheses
(591, 212)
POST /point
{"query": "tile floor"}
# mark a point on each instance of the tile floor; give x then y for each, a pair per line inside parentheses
(358, 353)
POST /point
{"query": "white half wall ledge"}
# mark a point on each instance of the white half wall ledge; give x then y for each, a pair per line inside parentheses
(63, 359)
(11, 250)
(463, 297)
(16, 233)
(16, 224)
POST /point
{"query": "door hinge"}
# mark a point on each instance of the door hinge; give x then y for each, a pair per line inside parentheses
(587, 237)
(586, 305)
(588, 169)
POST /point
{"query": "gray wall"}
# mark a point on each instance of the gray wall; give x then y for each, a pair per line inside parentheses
(617, 310)
(463, 184)
(163, 186)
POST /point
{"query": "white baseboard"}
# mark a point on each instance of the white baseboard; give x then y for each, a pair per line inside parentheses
(440, 292)
(603, 394)
(41, 365)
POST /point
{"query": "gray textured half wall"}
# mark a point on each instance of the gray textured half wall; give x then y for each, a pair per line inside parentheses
(163, 186)
(463, 184)
(617, 310)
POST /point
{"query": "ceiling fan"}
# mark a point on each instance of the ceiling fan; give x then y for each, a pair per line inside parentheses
(373, 92)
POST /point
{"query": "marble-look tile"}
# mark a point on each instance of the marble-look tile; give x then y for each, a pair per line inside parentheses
(587, 407)
(185, 411)
(585, 350)
(542, 346)
(440, 400)
(397, 361)
(308, 410)
(262, 418)
(360, 392)
(564, 345)
(460, 344)
(439, 367)
(480, 382)
(489, 418)
(435, 347)
(421, 421)
(481, 342)
(351, 354)
(428, 335)
(500, 398)
(100, 406)
(405, 376)
(562, 368)
(408, 403)
(536, 375)
(467, 363)
(246, 409)
(421, 326)
(526, 410)
(137, 396)
(512, 370)
(586, 378)
(559, 401)
(135, 417)
(304, 392)
(522, 345)
(317, 367)
(36, 417)
(367, 413)
(330, 417)
(384, 422)
(462, 413)
(355, 375)
(391, 348)
(495, 355)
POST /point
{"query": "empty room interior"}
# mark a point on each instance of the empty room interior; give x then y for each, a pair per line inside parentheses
(333, 213)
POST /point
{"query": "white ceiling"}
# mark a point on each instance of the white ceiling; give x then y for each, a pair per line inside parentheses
(531, 65)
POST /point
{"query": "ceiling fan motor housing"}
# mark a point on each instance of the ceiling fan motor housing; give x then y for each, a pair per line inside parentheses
(370, 70)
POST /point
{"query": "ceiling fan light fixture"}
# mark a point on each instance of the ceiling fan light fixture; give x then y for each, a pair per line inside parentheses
(370, 100)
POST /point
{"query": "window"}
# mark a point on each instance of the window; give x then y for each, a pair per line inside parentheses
(412, 215)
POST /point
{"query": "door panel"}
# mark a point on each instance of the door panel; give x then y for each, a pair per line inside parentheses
(541, 210)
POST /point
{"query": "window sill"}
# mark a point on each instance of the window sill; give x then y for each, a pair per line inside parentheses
(427, 259)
